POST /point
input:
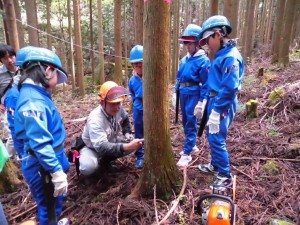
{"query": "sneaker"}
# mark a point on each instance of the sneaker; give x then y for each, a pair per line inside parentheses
(208, 168)
(139, 163)
(63, 221)
(194, 150)
(221, 182)
(184, 160)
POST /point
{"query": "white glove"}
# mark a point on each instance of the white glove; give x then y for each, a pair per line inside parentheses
(129, 137)
(199, 109)
(173, 100)
(59, 179)
(213, 122)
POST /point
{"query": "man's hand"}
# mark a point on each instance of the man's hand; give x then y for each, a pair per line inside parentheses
(213, 122)
(59, 180)
(2, 108)
(199, 109)
(128, 137)
(134, 145)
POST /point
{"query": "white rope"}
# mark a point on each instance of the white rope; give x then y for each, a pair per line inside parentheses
(43, 32)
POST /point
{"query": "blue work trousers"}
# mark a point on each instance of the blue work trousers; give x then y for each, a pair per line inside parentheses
(32, 172)
(139, 130)
(188, 103)
(219, 153)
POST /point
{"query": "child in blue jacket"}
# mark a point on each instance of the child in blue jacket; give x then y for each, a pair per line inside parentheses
(224, 81)
(135, 85)
(191, 84)
(40, 127)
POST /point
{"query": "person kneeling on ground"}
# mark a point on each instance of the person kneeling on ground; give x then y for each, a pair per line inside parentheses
(100, 133)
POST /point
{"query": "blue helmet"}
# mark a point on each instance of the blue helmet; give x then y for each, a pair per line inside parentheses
(21, 55)
(136, 54)
(46, 56)
(191, 33)
(216, 21)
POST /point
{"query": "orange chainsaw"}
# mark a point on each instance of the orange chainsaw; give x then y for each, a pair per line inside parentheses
(218, 208)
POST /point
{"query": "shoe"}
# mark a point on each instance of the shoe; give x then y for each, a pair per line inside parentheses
(221, 182)
(139, 163)
(110, 168)
(63, 221)
(184, 160)
(208, 168)
(194, 150)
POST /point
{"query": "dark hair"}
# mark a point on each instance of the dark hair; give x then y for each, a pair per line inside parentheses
(6, 49)
(36, 74)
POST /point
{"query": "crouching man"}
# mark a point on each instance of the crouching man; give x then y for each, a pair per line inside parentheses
(100, 133)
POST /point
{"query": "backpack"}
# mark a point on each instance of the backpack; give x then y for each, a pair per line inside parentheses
(74, 152)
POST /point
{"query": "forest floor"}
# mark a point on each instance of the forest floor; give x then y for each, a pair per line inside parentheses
(264, 153)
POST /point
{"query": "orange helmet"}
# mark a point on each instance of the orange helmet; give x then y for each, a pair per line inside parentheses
(111, 92)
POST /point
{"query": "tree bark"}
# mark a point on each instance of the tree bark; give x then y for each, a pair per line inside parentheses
(175, 55)
(214, 7)
(11, 22)
(78, 48)
(92, 58)
(32, 22)
(249, 29)
(71, 49)
(288, 21)
(20, 27)
(276, 40)
(138, 21)
(100, 42)
(49, 38)
(159, 169)
(231, 8)
(118, 43)
(126, 74)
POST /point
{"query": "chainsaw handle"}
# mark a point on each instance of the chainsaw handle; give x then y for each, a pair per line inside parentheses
(217, 196)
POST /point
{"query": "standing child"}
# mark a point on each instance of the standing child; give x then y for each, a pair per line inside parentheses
(224, 81)
(191, 83)
(39, 125)
(7, 72)
(12, 96)
(135, 85)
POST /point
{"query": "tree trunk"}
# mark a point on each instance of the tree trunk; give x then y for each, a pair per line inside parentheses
(288, 21)
(32, 22)
(159, 169)
(92, 58)
(118, 43)
(126, 74)
(249, 29)
(11, 22)
(9, 178)
(6, 38)
(138, 21)
(20, 27)
(276, 40)
(175, 55)
(213, 7)
(100, 42)
(269, 21)
(71, 49)
(49, 38)
(231, 9)
(78, 48)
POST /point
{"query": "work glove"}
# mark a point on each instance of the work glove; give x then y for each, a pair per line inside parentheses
(213, 122)
(199, 109)
(129, 137)
(59, 180)
(173, 100)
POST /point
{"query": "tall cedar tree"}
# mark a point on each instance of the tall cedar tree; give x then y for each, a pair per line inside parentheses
(159, 170)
